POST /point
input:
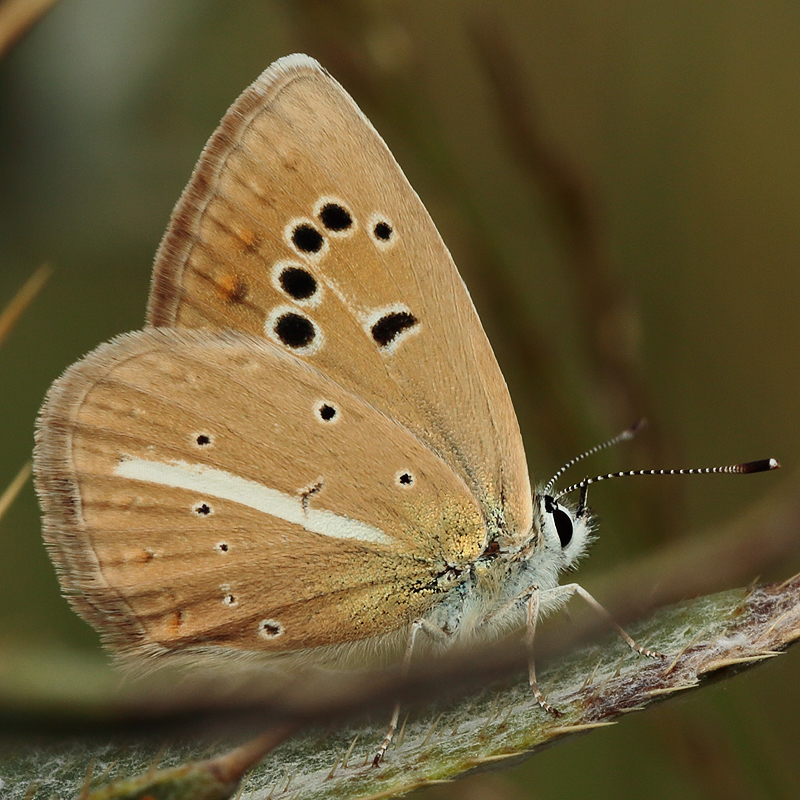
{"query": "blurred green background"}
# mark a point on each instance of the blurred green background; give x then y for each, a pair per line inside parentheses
(681, 121)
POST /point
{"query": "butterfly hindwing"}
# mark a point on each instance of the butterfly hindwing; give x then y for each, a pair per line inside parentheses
(191, 499)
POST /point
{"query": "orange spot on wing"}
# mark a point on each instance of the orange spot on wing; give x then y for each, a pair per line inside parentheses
(248, 239)
(233, 288)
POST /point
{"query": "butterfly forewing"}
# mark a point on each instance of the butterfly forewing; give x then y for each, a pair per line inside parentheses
(192, 499)
(298, 226)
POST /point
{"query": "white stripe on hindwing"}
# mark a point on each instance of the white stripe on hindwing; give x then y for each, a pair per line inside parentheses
(223, 485)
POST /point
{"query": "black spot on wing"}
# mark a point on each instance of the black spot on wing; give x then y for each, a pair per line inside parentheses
(307, 239)
(335, 217)
(383, 231)
(327, 412)
(298, 283)
(391, 325)
(295, 330)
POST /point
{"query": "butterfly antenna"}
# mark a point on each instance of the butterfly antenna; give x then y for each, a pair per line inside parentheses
(628, 433)
(763, 465)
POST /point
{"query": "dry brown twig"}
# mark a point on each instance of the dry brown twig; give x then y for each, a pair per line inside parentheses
(18, 304)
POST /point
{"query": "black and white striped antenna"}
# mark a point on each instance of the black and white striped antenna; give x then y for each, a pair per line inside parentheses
(762, 465)
(628, 433)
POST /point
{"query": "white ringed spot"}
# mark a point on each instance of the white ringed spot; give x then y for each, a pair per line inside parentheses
(382, 231)
(270, 629)
(391, 325)
(303, 235)
(296, 281)
(405, 479)
(327, 412)
(293, 330)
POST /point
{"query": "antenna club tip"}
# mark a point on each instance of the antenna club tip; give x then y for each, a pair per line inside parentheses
(637, 427)
(763, 465)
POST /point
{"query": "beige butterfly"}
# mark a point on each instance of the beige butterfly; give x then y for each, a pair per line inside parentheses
(309, 452)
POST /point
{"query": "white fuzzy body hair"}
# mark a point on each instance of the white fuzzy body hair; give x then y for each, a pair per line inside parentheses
(492, 601)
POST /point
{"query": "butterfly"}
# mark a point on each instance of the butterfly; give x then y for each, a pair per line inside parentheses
(309, 453)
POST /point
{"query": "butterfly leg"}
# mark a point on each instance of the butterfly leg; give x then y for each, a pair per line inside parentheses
(575, 588)
(434, 632)
(562, 594)
(533, 595)
(533, 613)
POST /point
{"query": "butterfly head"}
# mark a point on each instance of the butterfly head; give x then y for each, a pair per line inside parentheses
(559, 531)
(565, 532)
(559, 537)
(493, 602)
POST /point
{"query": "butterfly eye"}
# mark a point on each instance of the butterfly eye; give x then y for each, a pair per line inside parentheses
(561, 520)
(203, 440)
(563, 526)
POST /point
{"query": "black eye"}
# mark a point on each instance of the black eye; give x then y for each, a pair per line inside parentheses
(563, 526)
(561, 519)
